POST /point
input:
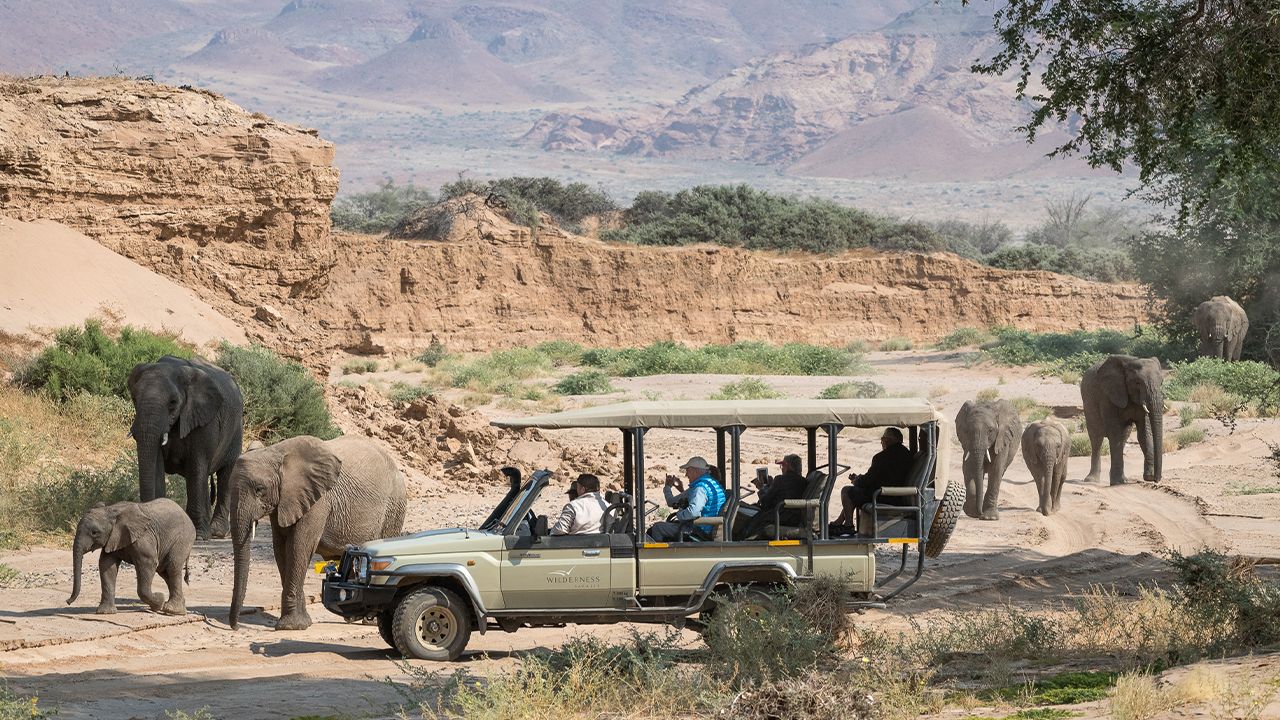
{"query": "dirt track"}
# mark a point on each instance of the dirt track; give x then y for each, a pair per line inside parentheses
(138, 664)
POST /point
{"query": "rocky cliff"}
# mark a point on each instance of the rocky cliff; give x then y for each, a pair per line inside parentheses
(180, 180)
(486, 283)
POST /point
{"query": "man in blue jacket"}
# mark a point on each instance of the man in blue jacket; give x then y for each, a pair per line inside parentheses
(704, 498)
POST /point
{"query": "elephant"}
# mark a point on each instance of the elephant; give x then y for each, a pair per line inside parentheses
(187, 421)
(1222, 325)
(322, 495)
(988, 432)
(154, 536)
(1118, 393)
(1045, 447)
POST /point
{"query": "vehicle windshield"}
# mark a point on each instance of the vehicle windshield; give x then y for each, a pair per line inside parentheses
(521, 500)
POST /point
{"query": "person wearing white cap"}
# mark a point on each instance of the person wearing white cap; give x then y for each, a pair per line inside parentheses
(704, 498)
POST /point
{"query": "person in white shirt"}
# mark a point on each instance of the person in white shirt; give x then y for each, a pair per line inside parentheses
(584, 513)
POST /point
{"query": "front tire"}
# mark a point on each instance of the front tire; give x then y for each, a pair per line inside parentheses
(432, 623)
(385, 620)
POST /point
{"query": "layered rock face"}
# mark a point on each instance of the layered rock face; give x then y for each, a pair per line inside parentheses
(181, 181)
(487, 283)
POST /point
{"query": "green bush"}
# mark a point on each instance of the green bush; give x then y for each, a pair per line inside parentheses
(89, 360)
(1080, 446)
(853, 389)
(741, 358)
(963, 337)
(1188, 436)
(405, 393)
(1074, 351)
(1253, 381)
(560, 352)
(434, 354)
(746, 389)
(55, 501)
(568, 204)
(897, 344)
(741, 216)
(756, 637)
(13, 707)
(1102, 264)
(357, 366)
(498, 371)
(379, 210)
(586, 382)
(1226, 593)
(281, 399)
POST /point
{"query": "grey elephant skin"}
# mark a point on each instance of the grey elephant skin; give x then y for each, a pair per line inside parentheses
(988, 432)
(188, 420)
(321, 496)
(1222, 325)
(154, 537)
(1120, 393)
(1045, 447)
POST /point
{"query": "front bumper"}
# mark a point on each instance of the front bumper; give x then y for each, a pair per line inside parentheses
(355, 600)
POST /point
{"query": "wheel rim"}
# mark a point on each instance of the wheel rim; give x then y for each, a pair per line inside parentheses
(437, 627)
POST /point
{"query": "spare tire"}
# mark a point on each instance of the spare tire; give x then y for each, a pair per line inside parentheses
(944, 521)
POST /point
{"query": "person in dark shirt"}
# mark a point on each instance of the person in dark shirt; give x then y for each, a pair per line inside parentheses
(889, 468)
(790, 485)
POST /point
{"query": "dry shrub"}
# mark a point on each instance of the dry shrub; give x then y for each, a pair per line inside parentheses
(818, 696)
(37, 432)
(1138, 697)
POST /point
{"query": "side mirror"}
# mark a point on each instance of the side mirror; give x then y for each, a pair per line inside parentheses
(540, 526)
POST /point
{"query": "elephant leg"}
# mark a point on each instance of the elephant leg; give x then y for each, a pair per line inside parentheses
(1044, 485)
(198, 499)
(1095, 430)
(108, 566)
(1117, 436)
(177, 602)
(1146, 442)
(1059, 477)
(974, 469)
(992, 497)
(146, 573)
(221, 524)
(304, 537)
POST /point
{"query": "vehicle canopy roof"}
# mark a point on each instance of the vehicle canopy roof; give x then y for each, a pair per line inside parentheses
(900, 412)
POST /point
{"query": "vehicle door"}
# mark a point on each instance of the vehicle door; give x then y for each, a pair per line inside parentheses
(558, 571)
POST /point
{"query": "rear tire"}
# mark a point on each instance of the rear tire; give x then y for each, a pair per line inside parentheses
(944, 521)
(432, 623)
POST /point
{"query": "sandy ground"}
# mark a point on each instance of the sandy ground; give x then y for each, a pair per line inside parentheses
(136, 664)
(40, 290)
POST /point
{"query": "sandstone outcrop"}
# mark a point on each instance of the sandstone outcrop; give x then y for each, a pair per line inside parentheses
(487, 283)
(180, 180)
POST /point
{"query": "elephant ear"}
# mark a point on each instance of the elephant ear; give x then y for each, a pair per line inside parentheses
(1111, 377)
(131, 526)
(308, 471)
(202, 403)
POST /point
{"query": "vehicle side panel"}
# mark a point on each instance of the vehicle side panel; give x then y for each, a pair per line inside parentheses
(681, 568)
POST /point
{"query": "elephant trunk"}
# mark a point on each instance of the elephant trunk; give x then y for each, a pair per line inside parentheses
(974, 466)
(150, 431)
(242, 520)
(1046, 487)
(78, 549)
(1155, 414)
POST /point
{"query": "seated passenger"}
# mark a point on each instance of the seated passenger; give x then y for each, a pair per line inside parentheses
(889, 468)
(584, 513)
(790, 485)
(704, 498)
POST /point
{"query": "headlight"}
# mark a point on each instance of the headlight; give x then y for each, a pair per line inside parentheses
(360, 568)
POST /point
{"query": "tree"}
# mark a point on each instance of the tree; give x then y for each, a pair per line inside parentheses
(1188, 91)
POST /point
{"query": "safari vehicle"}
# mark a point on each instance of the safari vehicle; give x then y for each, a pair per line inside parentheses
(429, 591)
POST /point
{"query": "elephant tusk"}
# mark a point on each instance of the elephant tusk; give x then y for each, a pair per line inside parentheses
(164, 440)
(987, 456)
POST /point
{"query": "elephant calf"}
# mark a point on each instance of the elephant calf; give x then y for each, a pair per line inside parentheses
(1045, 447)
(154, 536)
(321, 496)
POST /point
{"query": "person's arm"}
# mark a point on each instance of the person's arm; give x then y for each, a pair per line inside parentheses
(564, 523)
(672, 496)
(697, 500)
(766, 497)
(876, 475)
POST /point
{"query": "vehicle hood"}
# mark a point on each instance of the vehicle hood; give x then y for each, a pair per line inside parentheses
(430, 542)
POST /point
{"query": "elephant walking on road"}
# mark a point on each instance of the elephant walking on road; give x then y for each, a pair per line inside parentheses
(1045, 447)
(1120, 393)
(154, 537)
(188, 420)
(1222, 325)
(321, 496)
(988, 432)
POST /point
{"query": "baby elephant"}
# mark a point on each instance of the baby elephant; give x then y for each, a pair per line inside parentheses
(154, 536)
(1045, 446)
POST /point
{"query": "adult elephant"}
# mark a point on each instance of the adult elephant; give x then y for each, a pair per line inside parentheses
(321, 496)
(1222, 325)
(188, 420)
(988, 432)
(1120, 393)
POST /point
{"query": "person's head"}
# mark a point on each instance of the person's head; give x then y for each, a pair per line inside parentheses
(587, 483)
(791, 464)
(890, 437)
(695, 468)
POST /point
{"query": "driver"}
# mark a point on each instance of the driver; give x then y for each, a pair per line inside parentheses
(584, 513)
(705, 498)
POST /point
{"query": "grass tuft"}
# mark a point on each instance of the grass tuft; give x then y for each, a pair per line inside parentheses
(746, 389)
(853, 389)
(584, 382)
(896, 344)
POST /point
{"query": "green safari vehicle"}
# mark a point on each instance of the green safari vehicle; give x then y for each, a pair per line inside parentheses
(431, 590)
